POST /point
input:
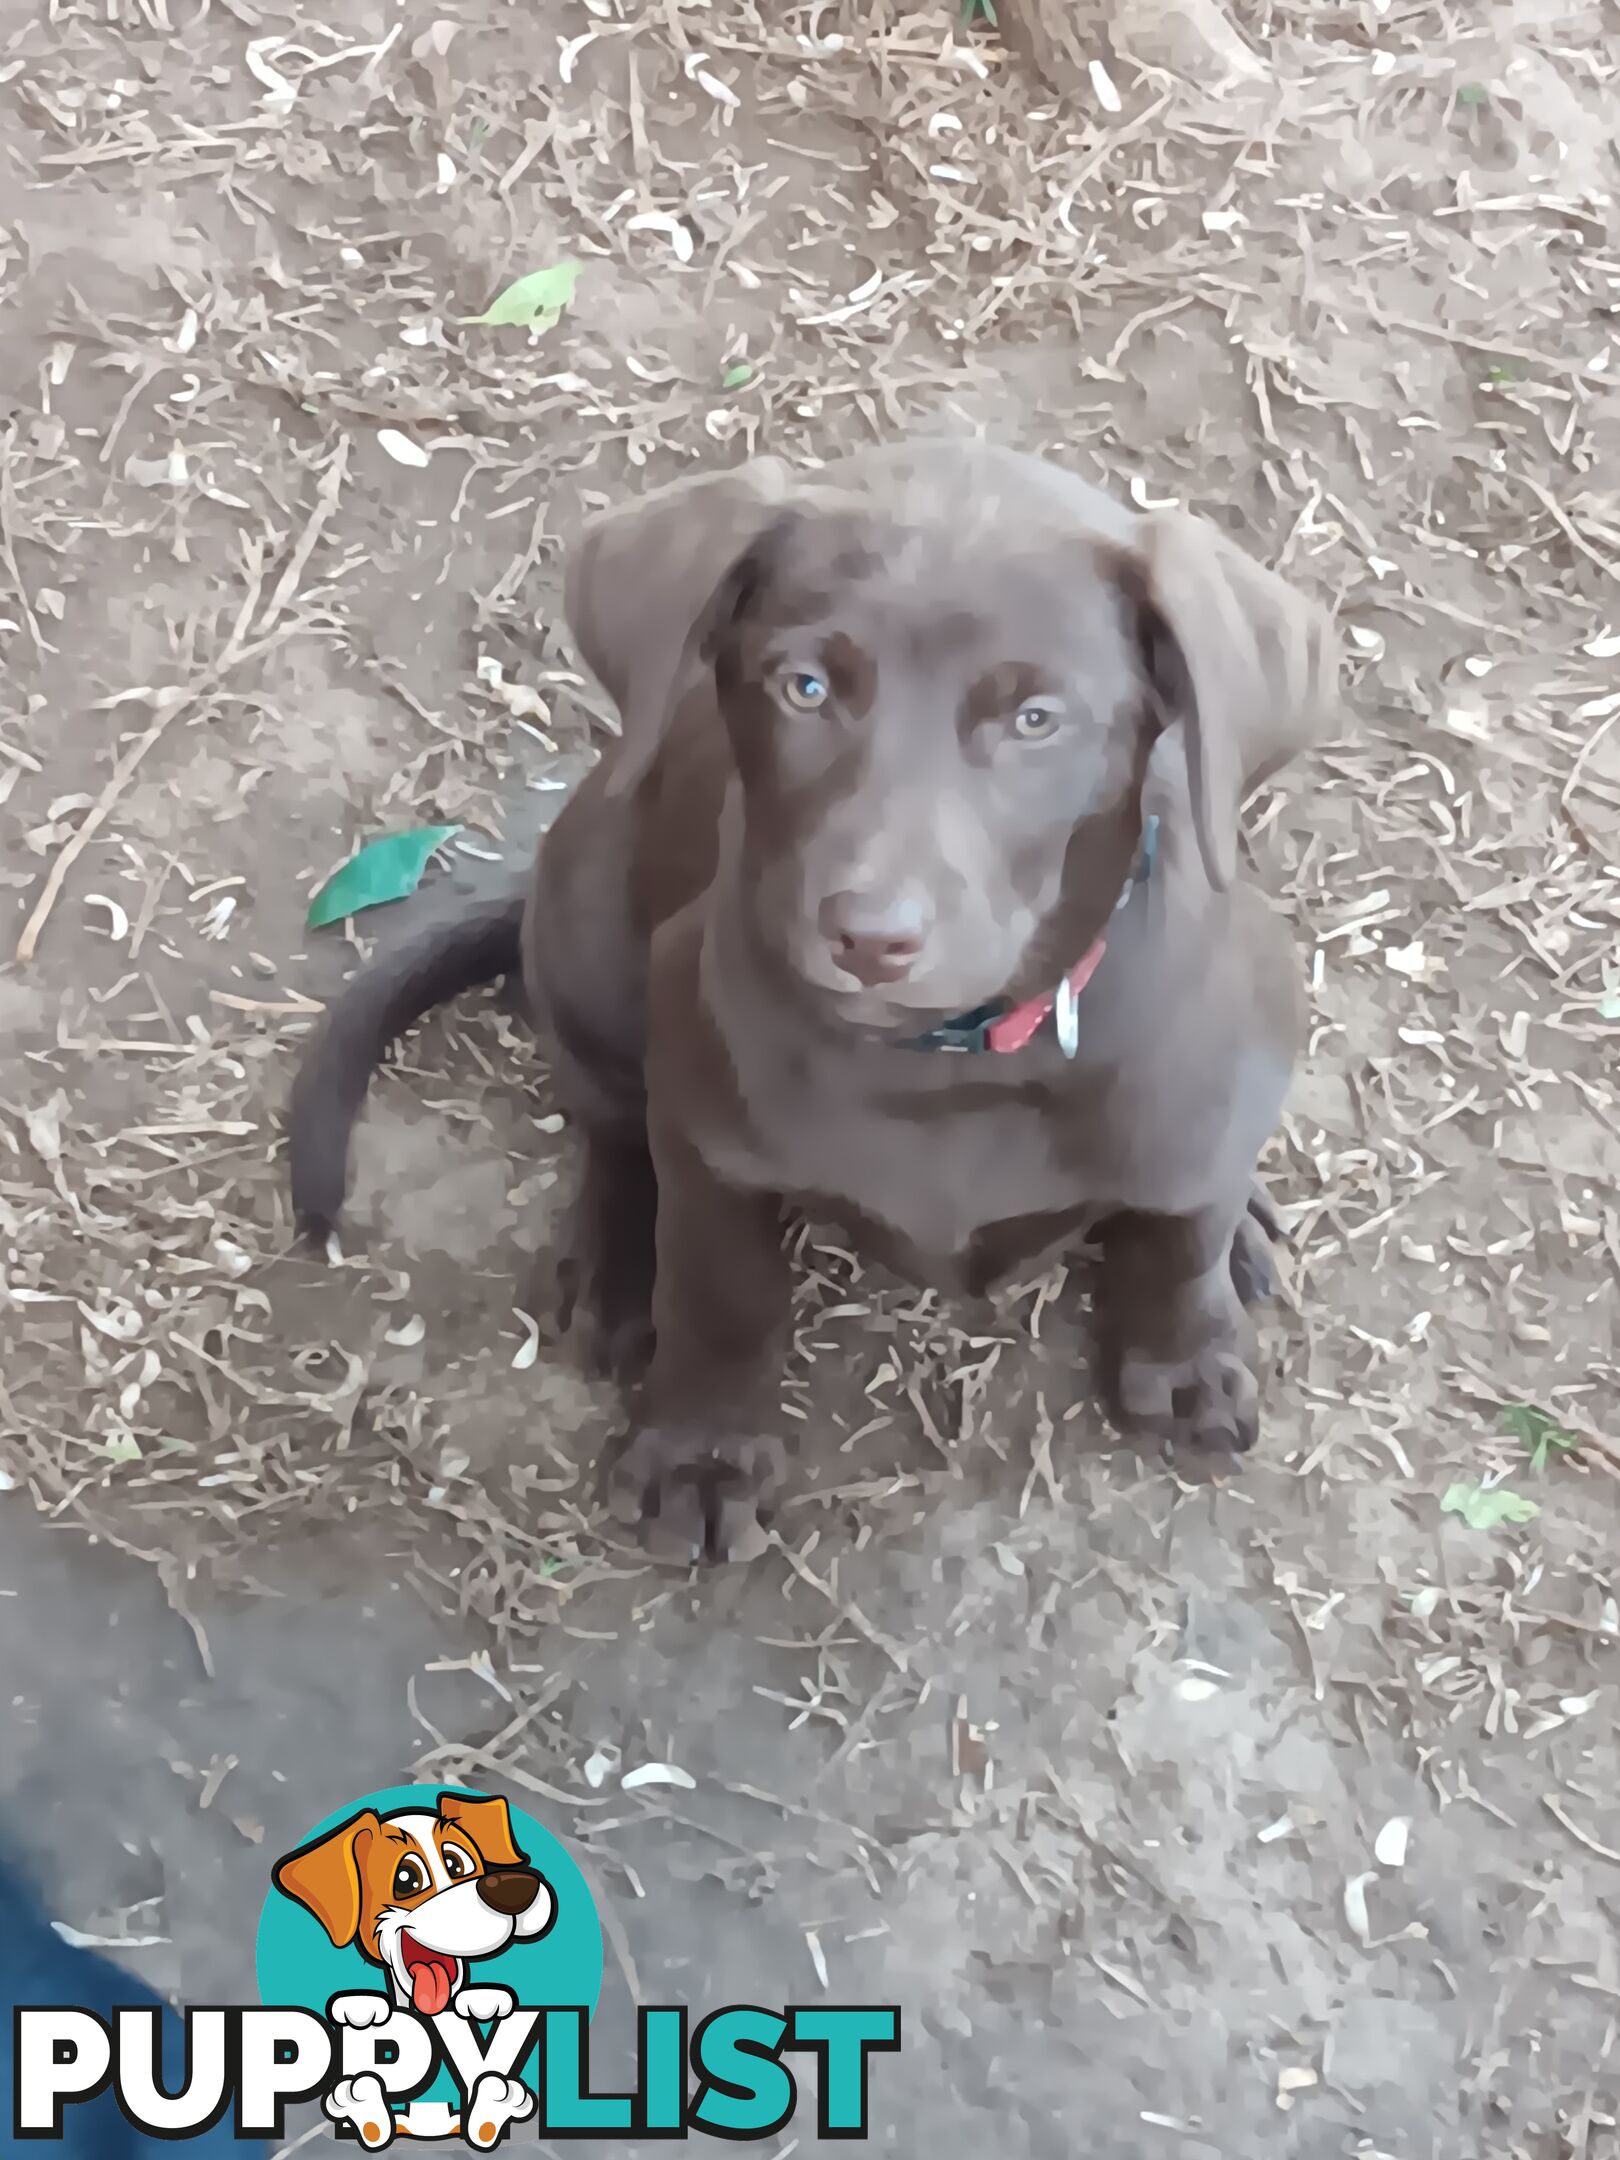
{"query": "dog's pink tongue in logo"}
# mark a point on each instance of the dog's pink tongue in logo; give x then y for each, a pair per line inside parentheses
(432, 1977)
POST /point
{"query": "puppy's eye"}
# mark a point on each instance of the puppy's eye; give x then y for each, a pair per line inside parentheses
(804, 692)
(456, 1864)
(410, 1877)
(1032, 723)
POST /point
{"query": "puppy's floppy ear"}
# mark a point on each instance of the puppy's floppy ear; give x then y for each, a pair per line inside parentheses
(1245, 664)
(325, 1877)
(488, 1823)
(642, 581)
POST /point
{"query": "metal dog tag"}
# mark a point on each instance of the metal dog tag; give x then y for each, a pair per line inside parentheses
(1066, 1013)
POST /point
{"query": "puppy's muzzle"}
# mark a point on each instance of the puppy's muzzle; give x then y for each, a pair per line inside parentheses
(876, 938)
(509, 1891)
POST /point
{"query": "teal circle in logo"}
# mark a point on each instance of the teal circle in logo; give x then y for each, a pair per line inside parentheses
(306, 1954)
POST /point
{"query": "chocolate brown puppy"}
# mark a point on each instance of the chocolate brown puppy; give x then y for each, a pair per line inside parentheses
(909, 899)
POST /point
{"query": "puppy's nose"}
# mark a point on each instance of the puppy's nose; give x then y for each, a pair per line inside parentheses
(875, 937)
(511, 1891)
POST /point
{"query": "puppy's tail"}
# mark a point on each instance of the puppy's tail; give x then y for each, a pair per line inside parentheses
(460, 952)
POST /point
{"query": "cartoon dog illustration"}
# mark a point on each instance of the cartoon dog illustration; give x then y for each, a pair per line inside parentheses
(423, 1896)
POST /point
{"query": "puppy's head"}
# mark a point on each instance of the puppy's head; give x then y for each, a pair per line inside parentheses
(941, 745)
(422, 1894)
(941, 707)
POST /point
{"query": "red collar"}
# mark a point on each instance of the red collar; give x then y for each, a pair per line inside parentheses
(1014, 1029)
(995, 1027)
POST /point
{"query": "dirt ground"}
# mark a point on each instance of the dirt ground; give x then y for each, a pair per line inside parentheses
(1277, 1815)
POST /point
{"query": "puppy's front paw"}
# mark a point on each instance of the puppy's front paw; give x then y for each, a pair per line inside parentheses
(496, 2103)
(486, 2004)
(361, 2103)
(697, 1495)
(360, 2011)
(1208, 1401)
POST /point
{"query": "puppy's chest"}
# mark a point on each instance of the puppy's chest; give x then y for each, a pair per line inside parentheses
(932, 1169)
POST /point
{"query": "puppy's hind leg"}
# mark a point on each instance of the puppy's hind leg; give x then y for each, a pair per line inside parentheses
(1255, 1273)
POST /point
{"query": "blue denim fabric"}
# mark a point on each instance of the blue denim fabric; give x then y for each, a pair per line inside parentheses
(37, 1967)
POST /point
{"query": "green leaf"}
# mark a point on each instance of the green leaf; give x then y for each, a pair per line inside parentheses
(1500, 375)
(1538, 1434)
(124, 1449)
(385, 869)
(979, 11)
(1472, 93)
(534, 302)
(1487, 1510)
(740, 372)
